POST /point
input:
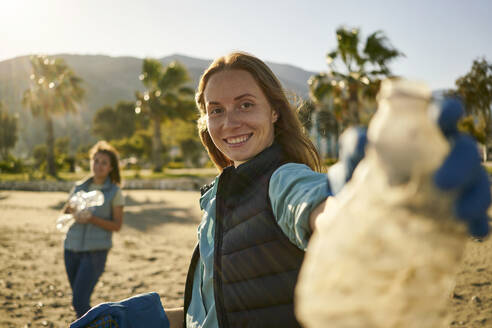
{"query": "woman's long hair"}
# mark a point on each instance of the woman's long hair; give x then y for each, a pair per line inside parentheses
(288, 129)
(105, 148)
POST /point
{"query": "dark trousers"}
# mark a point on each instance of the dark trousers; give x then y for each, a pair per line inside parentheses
(83, 270)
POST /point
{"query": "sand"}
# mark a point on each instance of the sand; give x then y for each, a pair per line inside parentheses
(151, 253)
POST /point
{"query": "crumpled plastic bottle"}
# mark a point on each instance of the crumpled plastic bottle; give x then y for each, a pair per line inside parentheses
(80, 202)
(386, 252)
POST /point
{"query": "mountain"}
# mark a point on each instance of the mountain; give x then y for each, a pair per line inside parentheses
(107, 80)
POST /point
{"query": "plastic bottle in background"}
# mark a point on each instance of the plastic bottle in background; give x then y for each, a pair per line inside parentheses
(386, 251)
(80, 201)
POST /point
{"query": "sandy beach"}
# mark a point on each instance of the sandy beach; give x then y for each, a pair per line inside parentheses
(151, 253)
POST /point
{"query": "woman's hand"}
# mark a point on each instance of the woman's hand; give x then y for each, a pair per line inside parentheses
(352, 144)
(83, 216)
(68, 210)
(175, 317)
(462, 171)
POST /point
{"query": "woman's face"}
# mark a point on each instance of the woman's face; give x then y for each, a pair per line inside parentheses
(101, 165)
(239, 118)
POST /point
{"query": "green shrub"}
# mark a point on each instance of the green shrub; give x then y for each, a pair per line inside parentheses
(175, 165)
(40, 153)
(12, 165)
(136, 168)
(82, 157)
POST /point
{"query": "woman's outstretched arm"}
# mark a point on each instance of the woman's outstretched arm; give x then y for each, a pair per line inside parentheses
(175, 317)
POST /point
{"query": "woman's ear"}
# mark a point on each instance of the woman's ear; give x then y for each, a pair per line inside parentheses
(274, 115)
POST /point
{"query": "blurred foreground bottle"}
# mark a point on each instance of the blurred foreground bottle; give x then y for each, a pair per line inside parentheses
(386, 252)
(80, 201)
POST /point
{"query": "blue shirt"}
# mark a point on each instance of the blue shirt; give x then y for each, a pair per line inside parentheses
(295, 190)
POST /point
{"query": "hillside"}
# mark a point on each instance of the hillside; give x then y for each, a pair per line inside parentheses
(107, 80)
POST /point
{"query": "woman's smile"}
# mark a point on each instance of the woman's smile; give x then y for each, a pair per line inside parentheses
(238, 140)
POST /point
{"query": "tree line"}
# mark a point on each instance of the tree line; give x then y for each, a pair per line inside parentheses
(133, 127)
(343, 95)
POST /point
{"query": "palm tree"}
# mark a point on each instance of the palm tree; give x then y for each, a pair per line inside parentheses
(8, 132)
(166, 97)
(359, 77)
(475, 89)
(54, 90)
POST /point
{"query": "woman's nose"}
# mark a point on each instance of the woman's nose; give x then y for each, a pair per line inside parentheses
(232, 120)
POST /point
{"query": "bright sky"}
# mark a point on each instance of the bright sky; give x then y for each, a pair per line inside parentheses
(440, 38)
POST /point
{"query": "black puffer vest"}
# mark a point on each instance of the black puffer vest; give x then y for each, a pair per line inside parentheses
(255, 265)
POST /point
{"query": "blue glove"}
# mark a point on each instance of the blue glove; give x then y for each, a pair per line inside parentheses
(462, 171)
(140, 311)
(352, 144)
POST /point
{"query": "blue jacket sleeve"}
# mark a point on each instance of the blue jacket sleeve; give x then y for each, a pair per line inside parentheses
(295, 190)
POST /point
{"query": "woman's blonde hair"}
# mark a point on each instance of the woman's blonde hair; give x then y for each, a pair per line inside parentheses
(289, 132)
(105, 148)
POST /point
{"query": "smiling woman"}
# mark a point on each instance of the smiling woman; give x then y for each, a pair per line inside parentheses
(240, 83)
(256, 220)
(239, 118)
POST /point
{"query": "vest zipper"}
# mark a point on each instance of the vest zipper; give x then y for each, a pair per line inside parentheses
(83, 238)
(219, 301)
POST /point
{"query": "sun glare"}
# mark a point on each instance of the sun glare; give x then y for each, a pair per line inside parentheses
(29, 25)
(12, 10)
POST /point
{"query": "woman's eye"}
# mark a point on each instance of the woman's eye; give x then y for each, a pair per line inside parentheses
(215, 111)
(246, 105)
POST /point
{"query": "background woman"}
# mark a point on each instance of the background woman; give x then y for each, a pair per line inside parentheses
(88, 240)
